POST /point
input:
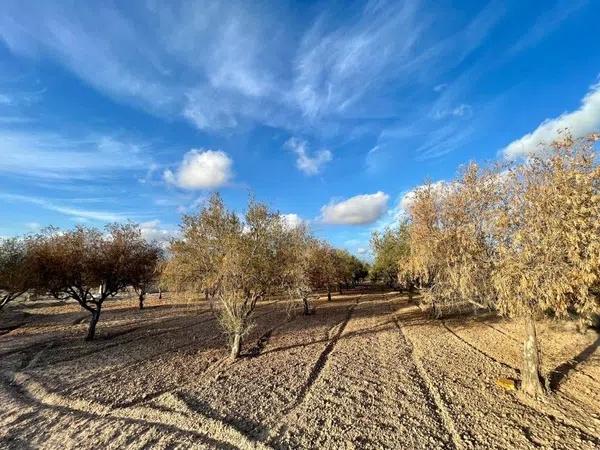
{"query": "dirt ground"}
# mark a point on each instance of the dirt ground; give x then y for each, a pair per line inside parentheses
(369, 370)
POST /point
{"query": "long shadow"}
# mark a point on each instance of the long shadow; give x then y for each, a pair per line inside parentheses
(561, 372)
(202, 438)
(242, 424)
(413, 318)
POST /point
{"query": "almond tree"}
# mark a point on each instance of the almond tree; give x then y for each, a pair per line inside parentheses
(423, 263)
(14, 273)
(195, 258)
(391, 249)
(146, 270)
(465, 239)
(85, 265)
(321, 271)
(236, 263)
(549, 242)
(347, 268)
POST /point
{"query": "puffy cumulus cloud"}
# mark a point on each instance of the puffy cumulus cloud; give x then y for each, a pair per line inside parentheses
(292, 220)
(580, 122)
(357, 210)
(152, 231)
(409, 197)
(201, 169)
(309, 165)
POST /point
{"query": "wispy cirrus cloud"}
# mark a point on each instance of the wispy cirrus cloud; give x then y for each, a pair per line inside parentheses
(317, 75)
(305, 162)
(549, 21)
(46, 155)
(74, 212)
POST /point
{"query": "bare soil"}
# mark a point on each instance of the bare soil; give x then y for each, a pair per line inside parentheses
(369, 370)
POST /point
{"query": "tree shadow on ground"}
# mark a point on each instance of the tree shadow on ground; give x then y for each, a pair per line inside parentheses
(561, 372)
(81, 416)
(242, 424)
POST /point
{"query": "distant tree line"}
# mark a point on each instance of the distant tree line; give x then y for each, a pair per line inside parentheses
(230, 261)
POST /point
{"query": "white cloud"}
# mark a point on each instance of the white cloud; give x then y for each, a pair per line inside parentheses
(408, 198)
(292, 220)
(309, 165)
(584, 120)
(549, 20)
(357, 210)
(462, 110)
(152, 231)
(33, 226)
(225, 64)
(54, 156)
(77, 213)
(201, 169)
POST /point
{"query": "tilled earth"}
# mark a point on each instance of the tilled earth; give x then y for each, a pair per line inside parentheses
(369, 370)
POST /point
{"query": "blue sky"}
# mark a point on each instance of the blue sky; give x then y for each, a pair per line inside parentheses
(329, 111)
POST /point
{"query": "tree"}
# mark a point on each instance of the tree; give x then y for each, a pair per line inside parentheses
(234, 262)
(391, 249)
(85, 265)
(14, 273)
(146, 268)
(424, 232)
(315, 271)
(348, 269)
(549, 242)
(321, 266)
(464, 240)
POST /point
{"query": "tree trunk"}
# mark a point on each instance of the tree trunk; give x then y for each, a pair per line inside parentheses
(159, 293)
(328, 293)
(340, 289)
(530, 377)
(92, 328)
(306, 308)
(236, 345)
(141, 298)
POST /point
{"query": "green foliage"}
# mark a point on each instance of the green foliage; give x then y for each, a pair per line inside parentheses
(390, 248)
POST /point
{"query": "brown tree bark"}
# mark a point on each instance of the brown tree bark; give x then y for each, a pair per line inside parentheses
(530, 377)
(236, 345)
(306, 306)
(159, 293)
(328, 293)
(141, 297)
(92, 327)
